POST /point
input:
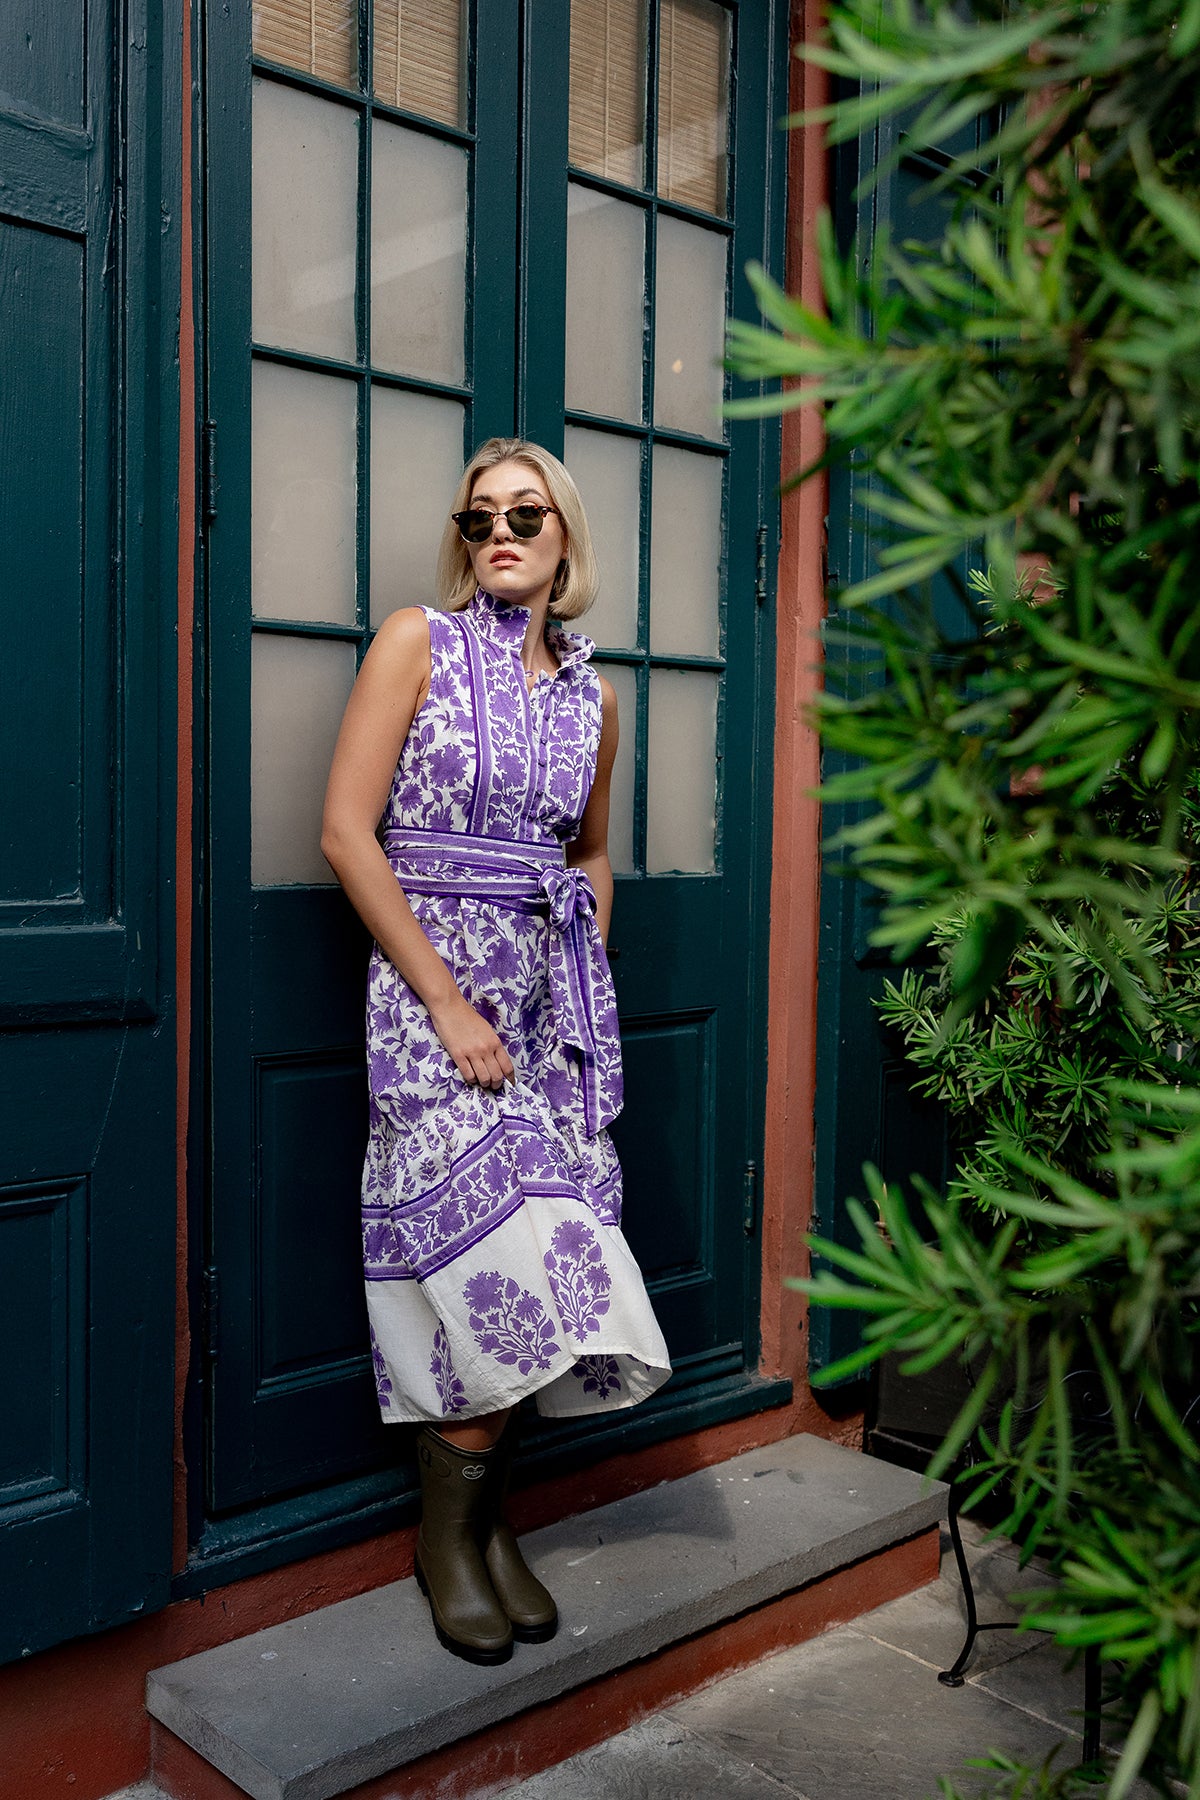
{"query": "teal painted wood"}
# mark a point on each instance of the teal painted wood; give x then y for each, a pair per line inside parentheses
(288, 1397)
(865, 1110)
(89, 417)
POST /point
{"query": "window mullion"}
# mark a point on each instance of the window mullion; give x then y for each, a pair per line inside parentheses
(494, 247)
(546, 67)
(362, 278)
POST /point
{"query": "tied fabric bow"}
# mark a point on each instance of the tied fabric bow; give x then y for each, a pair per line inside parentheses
(568, 892)
(576, 969)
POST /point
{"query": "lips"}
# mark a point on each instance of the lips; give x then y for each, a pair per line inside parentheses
(502, 556)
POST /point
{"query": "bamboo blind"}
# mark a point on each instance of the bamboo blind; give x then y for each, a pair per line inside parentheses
(608, 88)
(419, 57)
(693, 77)
(318, 36)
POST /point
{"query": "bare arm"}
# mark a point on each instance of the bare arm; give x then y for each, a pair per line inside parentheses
(391, 684)
(589, 851)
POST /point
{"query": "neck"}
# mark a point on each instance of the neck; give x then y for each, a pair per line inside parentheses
(534, 655)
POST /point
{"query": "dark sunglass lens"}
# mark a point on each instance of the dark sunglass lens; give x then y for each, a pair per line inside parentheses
(525, 521)
(475, 525)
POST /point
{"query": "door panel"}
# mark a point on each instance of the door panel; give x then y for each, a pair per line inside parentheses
(466, 306)
(87, 1109)
(866, 1110)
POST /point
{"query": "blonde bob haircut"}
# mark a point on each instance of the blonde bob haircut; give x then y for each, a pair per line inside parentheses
(577, 579)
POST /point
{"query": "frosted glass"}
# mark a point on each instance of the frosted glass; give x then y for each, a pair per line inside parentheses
(605, 285)
(685, 553)
(607, 472)
(624, 775)
(418, 253)
(298, 692)
(305, 188)
(689, 328)
(416, 460)
(302, 495)
(681, 770)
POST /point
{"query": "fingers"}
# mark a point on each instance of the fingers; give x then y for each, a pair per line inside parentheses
(487, 1066)
(491, 1072)
(475, 1049)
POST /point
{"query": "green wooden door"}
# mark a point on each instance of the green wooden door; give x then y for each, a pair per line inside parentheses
(399, 267)
(866, 1110)
(87, 1050)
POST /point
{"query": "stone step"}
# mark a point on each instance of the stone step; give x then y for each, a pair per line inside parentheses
(319, 1705)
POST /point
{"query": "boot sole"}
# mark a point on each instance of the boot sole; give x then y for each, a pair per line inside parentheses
(456, 1646)
(535, 1634)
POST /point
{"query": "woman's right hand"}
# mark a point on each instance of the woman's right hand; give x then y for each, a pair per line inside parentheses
(473, 1046)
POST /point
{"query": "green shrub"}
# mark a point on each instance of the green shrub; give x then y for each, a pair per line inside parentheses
(1024, 390)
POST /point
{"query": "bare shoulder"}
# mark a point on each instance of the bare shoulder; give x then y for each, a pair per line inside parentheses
(405, 632)
(608, 696)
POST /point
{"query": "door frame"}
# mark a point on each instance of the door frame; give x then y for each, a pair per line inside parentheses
(283, 1530)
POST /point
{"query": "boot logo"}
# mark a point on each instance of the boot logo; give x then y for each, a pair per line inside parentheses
(474, 1471)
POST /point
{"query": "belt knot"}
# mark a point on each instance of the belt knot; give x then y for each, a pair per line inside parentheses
(568, 892)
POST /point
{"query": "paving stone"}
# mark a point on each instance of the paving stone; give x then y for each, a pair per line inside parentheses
(657, 1758)
(932, 1624)
(1042, 1683)
(309, 1707)
(846, 1718)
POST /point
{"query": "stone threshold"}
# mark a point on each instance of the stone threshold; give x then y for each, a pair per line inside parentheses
(657, 1593)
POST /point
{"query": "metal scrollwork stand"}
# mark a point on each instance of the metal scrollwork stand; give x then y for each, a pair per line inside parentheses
(953, 1677)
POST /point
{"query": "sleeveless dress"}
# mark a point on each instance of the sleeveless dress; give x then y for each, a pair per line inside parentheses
(494, 1261)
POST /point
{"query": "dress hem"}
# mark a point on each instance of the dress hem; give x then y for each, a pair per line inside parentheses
(502, 1404)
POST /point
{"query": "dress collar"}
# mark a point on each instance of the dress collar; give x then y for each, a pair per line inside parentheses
(505, 622)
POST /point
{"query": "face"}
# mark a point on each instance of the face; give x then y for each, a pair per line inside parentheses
(513, 568)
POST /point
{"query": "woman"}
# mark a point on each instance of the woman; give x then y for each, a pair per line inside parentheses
(483, 740)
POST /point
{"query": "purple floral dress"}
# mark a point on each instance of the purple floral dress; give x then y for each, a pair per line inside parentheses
(494, 1259)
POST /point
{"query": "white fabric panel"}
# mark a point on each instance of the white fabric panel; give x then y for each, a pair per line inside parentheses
(302, 495)
(681, 772)
(607, 472)
(416, 460)
(685, 552)
(418, 253)
(620, 807)
(605, 285)
(305, 185)
(689, 328)
(298, 693)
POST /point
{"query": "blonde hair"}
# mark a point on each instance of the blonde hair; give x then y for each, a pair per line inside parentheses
(577, 579)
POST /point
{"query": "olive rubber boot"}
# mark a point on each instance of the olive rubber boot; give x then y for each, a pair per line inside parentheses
(530, 1608)
(449, 1566)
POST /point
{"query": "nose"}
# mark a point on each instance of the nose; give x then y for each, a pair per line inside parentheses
(501, 529)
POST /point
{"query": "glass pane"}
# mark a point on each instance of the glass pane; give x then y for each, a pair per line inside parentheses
(685, 553)
(318, 36)
(608, 88)
(605, 283)
(416, 460)
(689, 328)
(607, 472)
(418, 253)
(620, 804)
(298, 692)
(419, 60)
(681, 768)
(305, 220)
(302, 495)
(693, 103)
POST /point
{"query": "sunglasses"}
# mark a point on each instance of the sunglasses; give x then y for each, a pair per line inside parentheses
(477, 524)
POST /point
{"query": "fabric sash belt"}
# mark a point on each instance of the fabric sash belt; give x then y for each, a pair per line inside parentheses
(530, 878)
